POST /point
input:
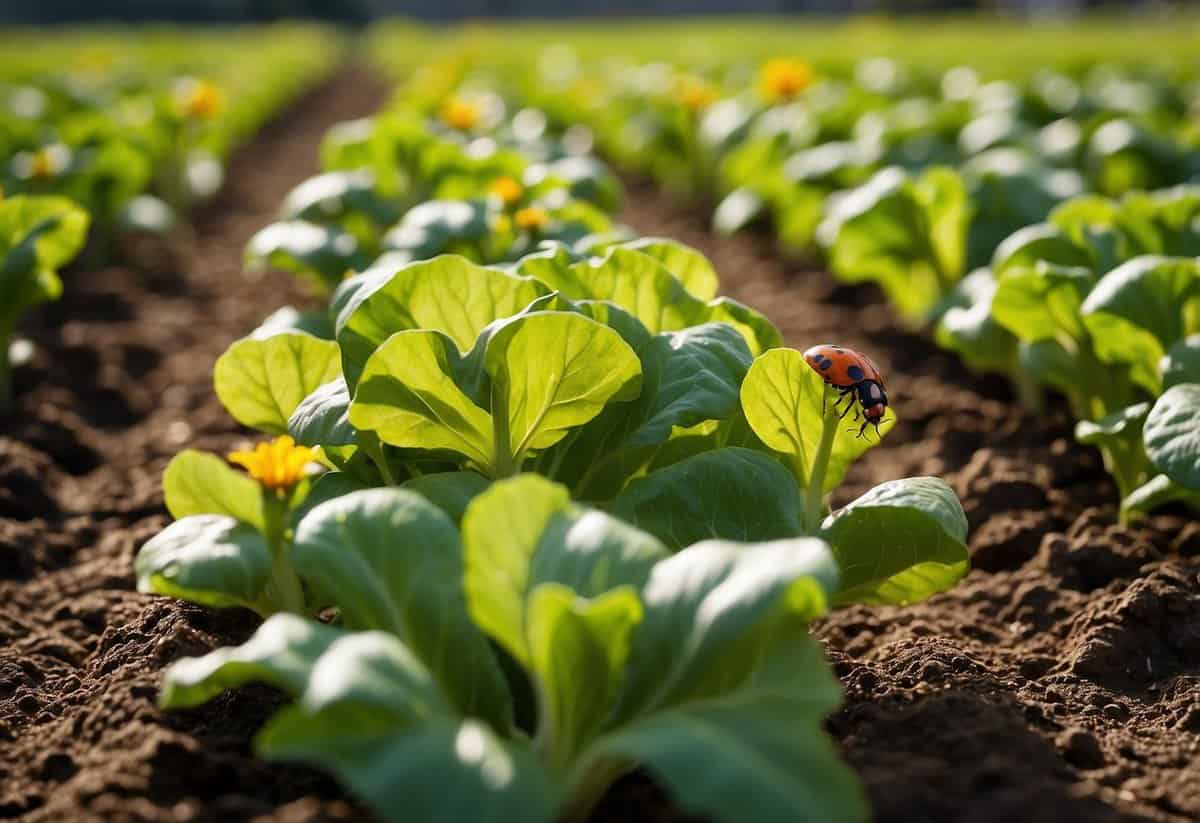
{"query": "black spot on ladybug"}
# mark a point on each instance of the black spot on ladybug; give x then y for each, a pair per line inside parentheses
(855, 373)
(825, 364)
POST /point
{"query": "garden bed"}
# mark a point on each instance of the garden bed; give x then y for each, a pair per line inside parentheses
(1053, 683)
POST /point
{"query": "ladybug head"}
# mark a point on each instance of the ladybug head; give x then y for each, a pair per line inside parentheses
(875, 413)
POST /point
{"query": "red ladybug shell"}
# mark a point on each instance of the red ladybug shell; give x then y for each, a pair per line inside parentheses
(842, 367)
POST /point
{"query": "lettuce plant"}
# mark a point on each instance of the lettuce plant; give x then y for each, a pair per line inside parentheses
(604, 652)
(38, 236)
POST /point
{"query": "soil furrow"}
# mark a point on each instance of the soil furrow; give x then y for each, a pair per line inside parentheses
(1059, 680)
(121, 382)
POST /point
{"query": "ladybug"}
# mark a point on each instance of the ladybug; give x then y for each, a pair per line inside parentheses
(855, 376)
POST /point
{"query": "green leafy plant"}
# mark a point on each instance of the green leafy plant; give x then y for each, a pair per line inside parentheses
(696, 666)
(38, 236)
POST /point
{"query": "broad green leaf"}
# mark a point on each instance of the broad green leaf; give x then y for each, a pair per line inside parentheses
(755, 750)
(782, 400)
(1172, 434)
(442, 769)
(324, 253)
(688, 377)
(1155, 492)
(969, 329)
(206, 558)
(690, 267)
(389, 559)
(451, 492)
(942, 195)
(553, 371)
(37, 236)
(760, 333)
(901, 542)
(323, 417)
(260, 382)
(39, 232)
(523, 532)
(197, 482)
(882, 231)
(709, 615)
(408, 396)
(731, 494)
(1181, 363)
(1139, 309)
(281, 652)
(578, 649)
(1123, 425)
(636, 282)
(1040, 243)
(449, 294)
(1042, 301)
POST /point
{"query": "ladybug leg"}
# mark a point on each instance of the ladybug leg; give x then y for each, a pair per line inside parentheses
(846, 411)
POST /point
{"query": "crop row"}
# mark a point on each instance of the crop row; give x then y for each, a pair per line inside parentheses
(540, 508)
(109, 134)
(1045, 228)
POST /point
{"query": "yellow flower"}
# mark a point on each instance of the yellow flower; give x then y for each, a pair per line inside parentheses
(460, 114)
(508, 190)
(531, 218)
(783, 78)
(199, 100)
(48, 161)
(694, 93)
(277, 465)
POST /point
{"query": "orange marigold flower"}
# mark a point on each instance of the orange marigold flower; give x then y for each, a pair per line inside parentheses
(460, 114)
(783, 78)
(277, 465)
(531, 218)
(508, 190)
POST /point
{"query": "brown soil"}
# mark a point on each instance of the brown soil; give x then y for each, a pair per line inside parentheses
(1061, 679)
(1056, 683)
(122, 381)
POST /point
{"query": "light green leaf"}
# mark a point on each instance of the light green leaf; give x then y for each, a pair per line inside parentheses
(731, 493)
(1172, 434)
(389, 559)
(755, 751)
(197, 482)
(408, 396)
(710, 611)
(260, 382)
(1040, 243)
(449, 294)
(901, 542)
(524, 532)
(206, 558)
(553, 371)
(782, 400)
(689, 266)
(688, 377)
(1139, 309)
(1155, 492)
(577, 650)
(1042, 302)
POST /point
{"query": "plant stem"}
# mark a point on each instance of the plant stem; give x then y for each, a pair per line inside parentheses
(814, 508)
(504, 463)
(586, 791)
(284, 586)
(373, 446)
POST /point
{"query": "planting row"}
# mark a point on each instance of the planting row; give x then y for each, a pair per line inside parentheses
(540, 508)
(1020, 220)
(107, 134)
